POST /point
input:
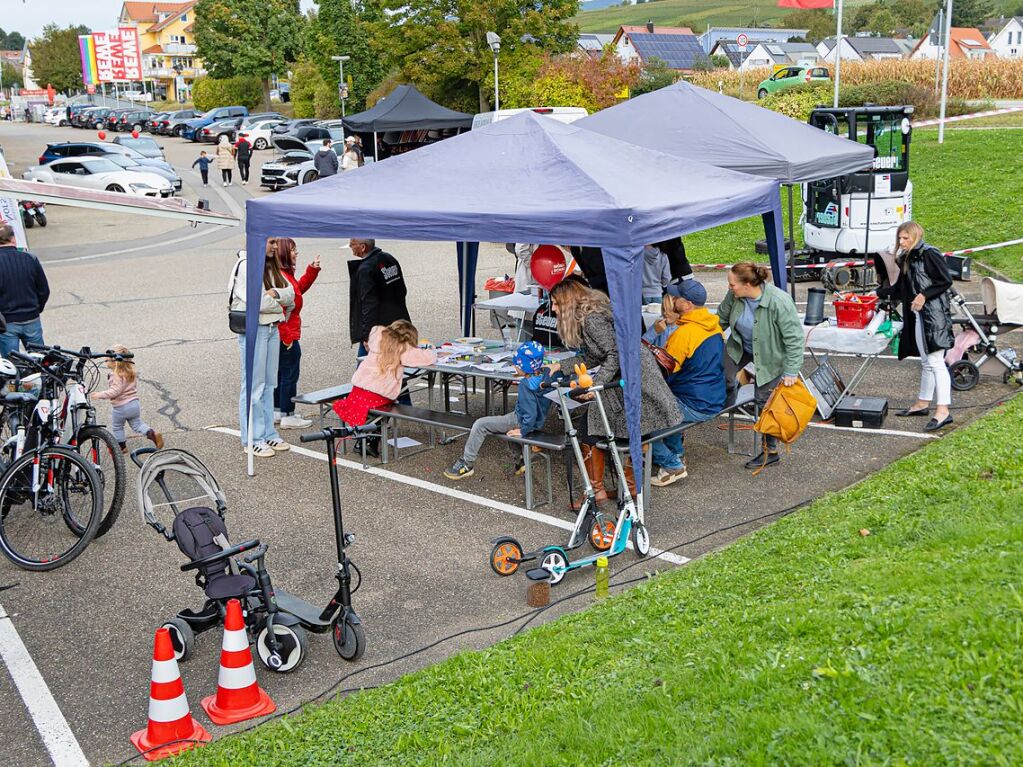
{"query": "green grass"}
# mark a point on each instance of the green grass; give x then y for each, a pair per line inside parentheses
(703, 13)
(804, 643)
(966, 193)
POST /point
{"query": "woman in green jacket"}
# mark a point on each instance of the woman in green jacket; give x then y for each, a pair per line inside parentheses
(765, 331)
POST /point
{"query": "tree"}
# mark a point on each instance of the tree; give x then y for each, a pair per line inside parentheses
(340, 29)
(248, 37)
(656, 74)
(820, 23)
(882, 23)
(56, 59)
(11, 41)
(971, 13)
(11, 75)
(441, 45)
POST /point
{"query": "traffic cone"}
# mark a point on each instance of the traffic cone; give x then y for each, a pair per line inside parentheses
(239, 696)
(171, 728)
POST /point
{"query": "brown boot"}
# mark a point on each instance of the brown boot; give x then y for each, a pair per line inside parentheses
(156, 438)
(630, 478)
(594, 460)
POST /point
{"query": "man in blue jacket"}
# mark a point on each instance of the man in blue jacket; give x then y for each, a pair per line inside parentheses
(698, 382)
(24, 292)
(530, 412)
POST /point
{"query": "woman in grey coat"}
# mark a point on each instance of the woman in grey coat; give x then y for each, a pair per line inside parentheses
(585, 323)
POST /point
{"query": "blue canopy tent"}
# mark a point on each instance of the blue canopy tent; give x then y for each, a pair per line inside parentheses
(692, 122)
(527, 179)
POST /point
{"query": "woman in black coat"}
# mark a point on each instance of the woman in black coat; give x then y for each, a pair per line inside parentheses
(922, 285)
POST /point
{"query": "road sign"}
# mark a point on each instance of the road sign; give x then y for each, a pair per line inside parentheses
(742, 41)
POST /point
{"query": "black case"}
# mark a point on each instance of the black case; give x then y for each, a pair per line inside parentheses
(861, 412)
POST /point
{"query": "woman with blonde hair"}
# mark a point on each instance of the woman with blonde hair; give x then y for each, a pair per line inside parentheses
(225, 159)
(921, 283)
(275, 304)
(585, 323)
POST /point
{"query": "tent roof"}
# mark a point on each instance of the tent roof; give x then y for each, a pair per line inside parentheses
(696, 123)
(525, 179)
(405, 108)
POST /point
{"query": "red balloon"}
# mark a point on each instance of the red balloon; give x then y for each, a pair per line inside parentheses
(102, 136)
(548, 266)
(134, 134)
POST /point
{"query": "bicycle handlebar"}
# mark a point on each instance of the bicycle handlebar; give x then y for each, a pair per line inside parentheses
(214, 558)
(336, 432)
(85, 353)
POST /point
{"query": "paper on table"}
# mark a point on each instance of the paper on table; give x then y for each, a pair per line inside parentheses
(498, 356)
(572, 404)
(495, 367)
(454, 363)
(403, 442)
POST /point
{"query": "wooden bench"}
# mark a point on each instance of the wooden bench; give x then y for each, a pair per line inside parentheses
(324, 399)
(743, 398)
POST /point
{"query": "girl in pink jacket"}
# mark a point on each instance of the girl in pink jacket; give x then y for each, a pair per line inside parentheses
(123, 394)
(377, 381)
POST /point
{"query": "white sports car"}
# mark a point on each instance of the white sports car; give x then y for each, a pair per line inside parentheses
(100, 173)
(259, 132)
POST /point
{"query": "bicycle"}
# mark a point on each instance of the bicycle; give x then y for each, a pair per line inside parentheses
(50, 496)
(80, 429)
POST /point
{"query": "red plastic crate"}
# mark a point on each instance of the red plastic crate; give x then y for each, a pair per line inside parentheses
(855, 314)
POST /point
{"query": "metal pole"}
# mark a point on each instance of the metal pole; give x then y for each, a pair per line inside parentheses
(838, 54)
(341, 84)
(937, 59)
(497, 93)
(944, 79)
(791, 249)
(742, 72)
(375, 146)
(866, 233)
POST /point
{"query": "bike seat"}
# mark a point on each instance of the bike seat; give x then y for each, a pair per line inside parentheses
(229, 586)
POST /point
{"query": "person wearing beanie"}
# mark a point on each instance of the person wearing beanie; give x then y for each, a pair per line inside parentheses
(530, 412)
(698, 382)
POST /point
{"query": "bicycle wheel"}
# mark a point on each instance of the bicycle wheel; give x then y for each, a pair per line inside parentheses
(51, 503)
(99, 447)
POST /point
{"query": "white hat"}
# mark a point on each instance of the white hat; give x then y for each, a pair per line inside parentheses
(350, 140)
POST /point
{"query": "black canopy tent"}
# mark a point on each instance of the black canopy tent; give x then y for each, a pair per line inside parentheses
(405, 108)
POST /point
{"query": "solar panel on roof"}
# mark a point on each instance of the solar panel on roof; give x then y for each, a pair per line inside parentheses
(774, 49)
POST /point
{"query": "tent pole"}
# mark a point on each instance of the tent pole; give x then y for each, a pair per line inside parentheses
(374, 146)
(866, 233)
(791, 250)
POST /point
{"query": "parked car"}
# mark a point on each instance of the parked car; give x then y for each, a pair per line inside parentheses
(295, 165)
(259, 131)
(101, 174)
(93, 118)
(132, 120)
(154, 121)
(113, 118)
(316, 132)
(290, 125)
(193, 127)
(144, 145)
(98, 149)
(561, 114)
(787, 77)
(126, 162)
(72, 112)
(174, 123)
(211, 133)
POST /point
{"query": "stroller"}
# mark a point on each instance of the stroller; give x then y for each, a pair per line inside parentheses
(275, 620)
(1003, 311)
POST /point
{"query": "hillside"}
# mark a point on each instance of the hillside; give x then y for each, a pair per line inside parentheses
(704, 13)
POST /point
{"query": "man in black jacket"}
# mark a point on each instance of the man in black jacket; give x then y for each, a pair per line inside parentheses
(24, 292)
(377, 291)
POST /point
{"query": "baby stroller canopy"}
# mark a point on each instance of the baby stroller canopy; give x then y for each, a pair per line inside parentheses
(172, 470)
(1004, 299)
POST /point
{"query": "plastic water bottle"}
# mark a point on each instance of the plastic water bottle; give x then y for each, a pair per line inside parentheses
(602, 577)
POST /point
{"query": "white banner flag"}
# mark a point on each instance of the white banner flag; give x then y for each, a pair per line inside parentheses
(10, 211)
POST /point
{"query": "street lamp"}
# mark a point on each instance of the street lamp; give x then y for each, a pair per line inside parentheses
(495, 45)
(342, 88)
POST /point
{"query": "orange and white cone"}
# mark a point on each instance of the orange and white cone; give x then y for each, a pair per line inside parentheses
(239, 696)
(171, 728)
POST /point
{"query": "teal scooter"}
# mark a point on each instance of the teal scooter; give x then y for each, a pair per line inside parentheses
(507, 553)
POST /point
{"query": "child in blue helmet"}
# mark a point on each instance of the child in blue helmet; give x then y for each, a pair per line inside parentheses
(530, 409)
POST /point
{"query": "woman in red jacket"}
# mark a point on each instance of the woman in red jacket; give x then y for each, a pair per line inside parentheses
(291, 331)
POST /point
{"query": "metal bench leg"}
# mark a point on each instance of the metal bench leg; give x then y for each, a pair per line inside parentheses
(648, 471)
(550, 479)
(527, 462)
(385, 446)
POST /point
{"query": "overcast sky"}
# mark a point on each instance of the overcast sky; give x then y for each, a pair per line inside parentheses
(30, 16)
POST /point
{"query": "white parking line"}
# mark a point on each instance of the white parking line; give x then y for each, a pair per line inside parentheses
(451, 492)
(53, 728)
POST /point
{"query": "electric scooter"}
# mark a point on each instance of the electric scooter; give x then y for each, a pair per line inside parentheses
(507, 553)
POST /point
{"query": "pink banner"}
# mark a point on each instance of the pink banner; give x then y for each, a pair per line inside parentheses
(118, 55)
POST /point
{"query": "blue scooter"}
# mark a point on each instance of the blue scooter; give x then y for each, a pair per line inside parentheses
(507, 553)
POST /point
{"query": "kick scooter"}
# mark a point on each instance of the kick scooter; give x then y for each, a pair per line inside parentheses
(506, 555)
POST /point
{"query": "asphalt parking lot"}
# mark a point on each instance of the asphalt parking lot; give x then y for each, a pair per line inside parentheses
(160, 289)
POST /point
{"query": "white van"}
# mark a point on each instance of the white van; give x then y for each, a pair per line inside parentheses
(561, 114)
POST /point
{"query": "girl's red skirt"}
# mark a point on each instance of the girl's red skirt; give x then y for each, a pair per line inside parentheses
(354, 409)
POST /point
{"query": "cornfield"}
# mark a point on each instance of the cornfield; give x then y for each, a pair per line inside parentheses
(989, 78)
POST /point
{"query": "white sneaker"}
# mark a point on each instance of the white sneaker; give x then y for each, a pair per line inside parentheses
(295, 422)
(225, 183)
(279, 445)
(262, 450)
(277, 416)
